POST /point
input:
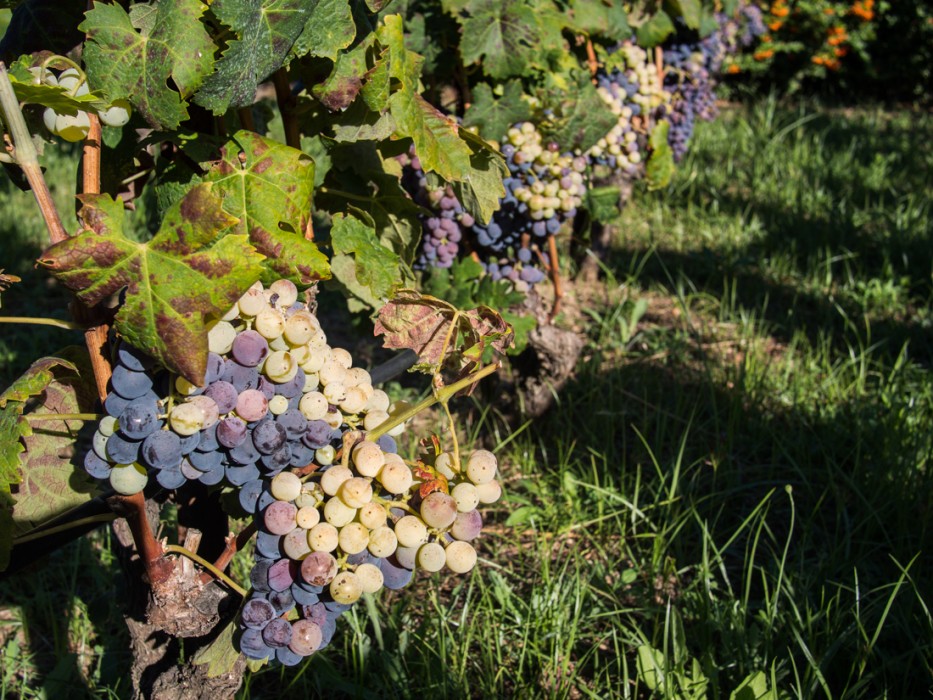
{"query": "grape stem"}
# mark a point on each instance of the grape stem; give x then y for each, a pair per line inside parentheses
(441, 395)
(57, 323)
(38, 535)
(286, 103)
(62, 416)
(177, 549)
(555, 277)
(23, 151)
(233, 544)
(90, 160)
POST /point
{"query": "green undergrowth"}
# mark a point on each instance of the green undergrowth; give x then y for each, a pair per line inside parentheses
(731, 496)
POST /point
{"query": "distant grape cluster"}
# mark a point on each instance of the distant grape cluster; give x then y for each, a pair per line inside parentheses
(621, 150)
(354, 527)
(75, 127)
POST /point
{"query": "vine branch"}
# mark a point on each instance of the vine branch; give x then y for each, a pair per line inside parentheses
(201, 561)
(286, 102)
(23, 151)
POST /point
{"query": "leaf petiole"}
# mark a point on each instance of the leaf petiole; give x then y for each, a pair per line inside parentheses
(207, 565)
(57, 323)
(62, 416)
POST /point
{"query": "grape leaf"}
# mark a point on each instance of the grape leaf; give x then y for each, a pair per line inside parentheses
(187, 271)
(655, 29)
(54, 480)
(368, 269)
(341, 87)
(439, 331)
(509, 36)
(220, 656)
(20, 447)
(660, 167)
(688, 10)
(329, 29)
(495, 116)
(603, 19)
(58, 98)
(580, 116)
(266, 31)
(268, 186)
(481, 191)
(125, 63)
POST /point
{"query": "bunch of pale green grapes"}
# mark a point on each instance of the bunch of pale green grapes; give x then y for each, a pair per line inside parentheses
(651, 93)
(75, 127)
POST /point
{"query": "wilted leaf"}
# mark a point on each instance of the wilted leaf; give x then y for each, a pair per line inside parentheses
(220, 656)
(187, 271)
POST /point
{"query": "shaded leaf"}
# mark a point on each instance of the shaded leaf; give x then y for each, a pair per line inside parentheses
(602, 18)
(655, 30)
(340, 88)
(481, 190)
(265, 32)
(186, 272)
(688, 10)
(580, 116)
(125, 63)
(268, 187)
(220, 656)
(660, 167)
(494, 116)
(361, 263)
(603, 202)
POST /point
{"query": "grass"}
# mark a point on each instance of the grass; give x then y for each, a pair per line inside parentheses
(733, 489)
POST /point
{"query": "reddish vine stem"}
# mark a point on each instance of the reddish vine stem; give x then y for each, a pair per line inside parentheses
(90, 161)
(286, 102)
(555, 277)
(659, 63)
(22, 150)
(591, 59)
(233, 544)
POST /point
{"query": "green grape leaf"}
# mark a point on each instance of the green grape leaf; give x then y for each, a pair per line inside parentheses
(187, 271)
(436, 138)
(660, 167)
(603, 19)
(580, 115)
(328, 30)
(655, 29)
(265, 32)
(221, 655)
(481, 191)
(29, 91)
(603, 202)
(268, 187)
(494, 116)
(688, 10)
(509, 36)
(361, 124)
(124, 63)
(368, 269)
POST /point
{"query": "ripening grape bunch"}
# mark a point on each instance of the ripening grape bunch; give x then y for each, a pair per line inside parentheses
(642, 72)
(275, 396)
(621, 150)
(351, 527)
(75, 127)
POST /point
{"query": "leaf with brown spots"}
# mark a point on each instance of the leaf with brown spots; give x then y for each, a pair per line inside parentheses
(268, 186)
(138, 66)
(193, 267)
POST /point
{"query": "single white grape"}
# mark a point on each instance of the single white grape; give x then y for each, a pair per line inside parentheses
(356, 492)
(278, 404)
(337, 513)
(335, 393)
(184, 387)
(280, 366)
(444, 463)
(333, 478)
(323, 537)
(466, 496)
(382, 541)
(269, 324)
(286, 291)
(353, 538)
(108, 425)
(411, 531)
(490, 492)
(118, 114)
(438, 510)
(209, 407)
(460, 557)
(73, 128)
(334, 419)
(396, 477)
(220, 337)
(431, 557)
(379, 401)
(49, 117)
(285, 486)
(308, 517)
(127, 479)
(481, 467)
(368, 458)
(295, 544)
(354, 400)
(299, 328)
(343, 357)
(311, 494)
(346, 588)
(186, 418)
(325, 456)
(372, 515)
(313, 405)
(370, 577)
(331, 372)
(253, 301)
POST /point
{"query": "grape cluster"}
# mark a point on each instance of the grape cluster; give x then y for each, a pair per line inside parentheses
(354, 527)
(275, 395)
(643, 73)
(75, 127)
(620, 150)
